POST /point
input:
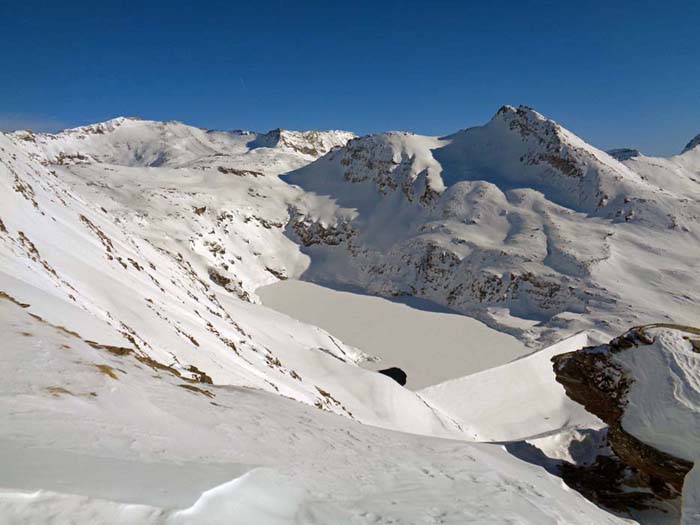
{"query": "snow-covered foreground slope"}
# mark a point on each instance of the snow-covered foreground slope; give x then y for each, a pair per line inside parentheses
(97, 434)
(142, 384)
(519, 223)
(516, 401)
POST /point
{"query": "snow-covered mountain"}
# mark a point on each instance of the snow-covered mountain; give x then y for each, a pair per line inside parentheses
(136, 348)
(519, 223)
(161, 257)
(128, 141)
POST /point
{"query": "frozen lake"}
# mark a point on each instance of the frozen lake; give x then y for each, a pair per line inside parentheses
(431, 346)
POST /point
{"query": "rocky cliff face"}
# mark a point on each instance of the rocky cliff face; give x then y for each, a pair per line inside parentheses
(644, 385)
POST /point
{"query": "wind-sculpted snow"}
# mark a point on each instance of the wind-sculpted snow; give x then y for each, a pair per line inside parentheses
(519, 223)
(484, 404)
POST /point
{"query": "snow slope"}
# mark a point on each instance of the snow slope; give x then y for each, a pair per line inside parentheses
(663, 402)
(94, 434)
(516, 401)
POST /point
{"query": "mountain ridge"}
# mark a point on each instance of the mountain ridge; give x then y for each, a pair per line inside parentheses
(130, 260)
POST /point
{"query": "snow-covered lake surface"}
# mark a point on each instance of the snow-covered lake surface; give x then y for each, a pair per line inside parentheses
(431, 345)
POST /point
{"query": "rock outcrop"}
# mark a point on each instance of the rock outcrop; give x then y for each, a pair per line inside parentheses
(623, 154)
(396, 374)
(644, 385)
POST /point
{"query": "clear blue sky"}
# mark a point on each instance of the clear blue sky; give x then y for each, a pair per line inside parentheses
(616, 73)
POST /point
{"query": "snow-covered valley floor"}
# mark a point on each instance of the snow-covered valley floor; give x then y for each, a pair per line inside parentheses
(429, 343)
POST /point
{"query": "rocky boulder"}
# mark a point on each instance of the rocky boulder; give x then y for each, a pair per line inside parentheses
(645, 385)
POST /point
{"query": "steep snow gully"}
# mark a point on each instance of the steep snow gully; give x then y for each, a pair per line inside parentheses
(156, 369)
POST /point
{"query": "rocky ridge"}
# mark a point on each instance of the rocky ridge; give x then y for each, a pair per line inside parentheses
(644, 385)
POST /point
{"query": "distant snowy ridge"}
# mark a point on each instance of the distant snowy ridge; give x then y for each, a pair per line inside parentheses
(130, 141)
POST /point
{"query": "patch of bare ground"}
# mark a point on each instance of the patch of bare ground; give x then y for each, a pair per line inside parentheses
(107, 370)
(193, 388)
(57, 391)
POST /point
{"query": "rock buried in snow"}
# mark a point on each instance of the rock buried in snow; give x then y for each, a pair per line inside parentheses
(396, 374)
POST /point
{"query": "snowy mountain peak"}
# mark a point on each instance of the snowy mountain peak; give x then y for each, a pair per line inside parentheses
(694, 143)
(528, 123)
(509, 113)
(131, 253)
(104, 127)
(313, 143)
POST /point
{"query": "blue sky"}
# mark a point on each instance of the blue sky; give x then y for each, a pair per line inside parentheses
(616, 73)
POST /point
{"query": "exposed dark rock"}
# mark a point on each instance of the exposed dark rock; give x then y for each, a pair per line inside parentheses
(240, 173)
(694, 143)
(622, 154)
(396, 374)
(310, 233)
(229, 285)
(610, 483)
(592, 378)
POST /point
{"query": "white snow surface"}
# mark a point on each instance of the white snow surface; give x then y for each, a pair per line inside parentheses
(91, 436)
(663, 402)
(516, 401)
(691, 497)
(144, 383)
(428, 344)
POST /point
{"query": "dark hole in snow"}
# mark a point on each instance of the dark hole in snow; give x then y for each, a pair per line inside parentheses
(396, 374)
